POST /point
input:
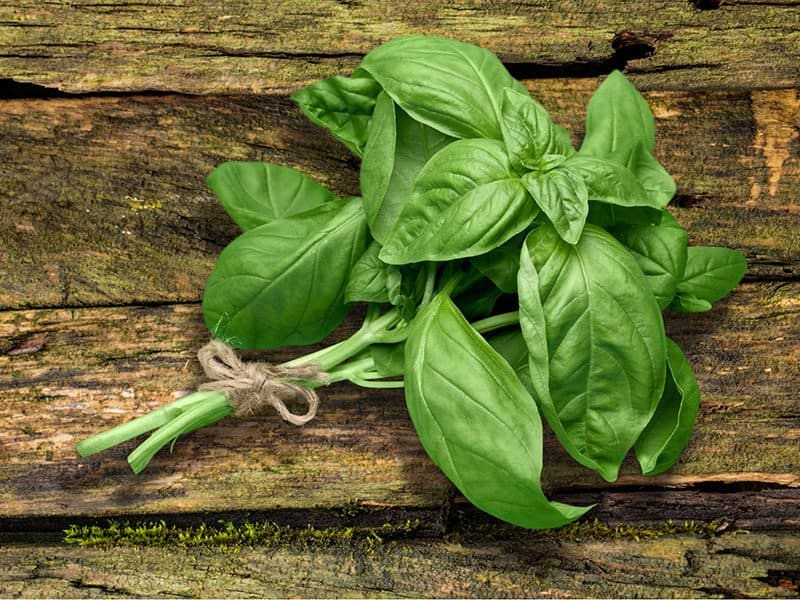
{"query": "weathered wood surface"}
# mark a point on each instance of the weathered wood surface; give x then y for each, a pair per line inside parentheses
(103, 200)
(733, 565)
(107, 234)
(69, 373)
(202, 47)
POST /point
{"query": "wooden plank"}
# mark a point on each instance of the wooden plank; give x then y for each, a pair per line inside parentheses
(103, 200)
(516, 564)
(206, 47)
(69, 373)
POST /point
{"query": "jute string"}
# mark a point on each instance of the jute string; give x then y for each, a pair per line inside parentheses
(251, 387)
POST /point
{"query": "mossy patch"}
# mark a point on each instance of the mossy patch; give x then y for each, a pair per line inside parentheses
(226, 534)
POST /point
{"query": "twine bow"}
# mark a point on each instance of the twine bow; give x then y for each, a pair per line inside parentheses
(250, 387)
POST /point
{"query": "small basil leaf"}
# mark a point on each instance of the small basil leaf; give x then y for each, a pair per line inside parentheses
(528, 132)
(512, 347)
(501, 264)
(254, 193)
(660, 251)
(563, 197)
(668, 432)
(598, 396)
(466, 201)
(689, 304)
(404, 286)
(617, 117)
(610, 215)
(283, 283)
(610, 182)
(389, 359)
(397, 149)
(453, 87)
(711, 273)
(367, 280)
(342, 105)
(653, 177)
(476, 420)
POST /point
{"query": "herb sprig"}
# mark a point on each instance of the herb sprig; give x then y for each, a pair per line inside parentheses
(506, 274)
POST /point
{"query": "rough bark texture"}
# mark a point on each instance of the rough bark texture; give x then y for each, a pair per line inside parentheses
(107, 234)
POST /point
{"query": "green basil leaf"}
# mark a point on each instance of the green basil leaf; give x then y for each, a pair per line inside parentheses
(689, 304)
(397, 149)
(563, 197)
(254, 193)
(653, 177)
(711, 273)
(342, 105)
(368, 278)
(610, 182)
(512, 347)
(466, 201)
(453, 87)
(501, 264)
(667, 434)
(283, 283)
(389, 359)
(617, 117)
(660, 251)
(595, 341)
(528, 132)
(476, 420)
(609, 215)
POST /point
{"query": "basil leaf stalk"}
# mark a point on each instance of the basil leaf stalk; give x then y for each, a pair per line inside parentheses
(465, 201)
(476, 420)
(453, 87)
(597, 396)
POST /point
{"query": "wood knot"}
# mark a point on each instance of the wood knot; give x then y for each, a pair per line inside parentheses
(631, 45)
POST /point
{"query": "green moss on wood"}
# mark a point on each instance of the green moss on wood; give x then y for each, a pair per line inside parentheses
(226, 534)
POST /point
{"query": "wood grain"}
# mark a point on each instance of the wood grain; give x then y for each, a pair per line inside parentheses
(518, 564)
(103, 200)
(89, 369)
(205, 47)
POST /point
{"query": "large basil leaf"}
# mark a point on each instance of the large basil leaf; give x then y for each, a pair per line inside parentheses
(454, 87)
(397, 149)
(528, 132)
(610, 182)
(342, 105)
(476, 420)
(254, 193)
(660, 251)
(667, 434)
(711, 273)
(465, 202)
(283, 283)
(501, 264)
(595, 341)
(563, 197)
(617, 117)
(512, 347)
(368, 278)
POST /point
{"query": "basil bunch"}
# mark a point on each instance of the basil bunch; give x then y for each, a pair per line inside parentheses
(507, 274)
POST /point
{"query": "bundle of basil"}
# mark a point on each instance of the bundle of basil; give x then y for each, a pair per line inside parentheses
(506, 274)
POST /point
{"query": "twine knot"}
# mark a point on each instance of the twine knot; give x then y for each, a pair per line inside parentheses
(250, 387)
